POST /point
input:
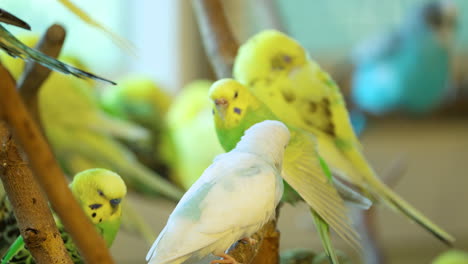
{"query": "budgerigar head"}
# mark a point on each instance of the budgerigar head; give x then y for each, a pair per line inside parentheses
(100, 193)
(268, 52)
(268, 139)
(435, 17)
(230, 102)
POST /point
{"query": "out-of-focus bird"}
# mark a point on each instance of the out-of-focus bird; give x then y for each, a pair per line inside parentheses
(100, 193)
(83, 136)
(137, 98)
(15, 48)
(408, 69)
(236, 109)
(280, 73)
(452, 257)
(233, 198)
(191, 128)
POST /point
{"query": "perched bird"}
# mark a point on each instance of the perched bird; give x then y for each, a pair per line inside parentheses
(100, 193)
(15, 48)
(280, 73)
(139, 99)
(83, 136)
(233, 198)
(191, 127)
(408, 69)
(236, 109)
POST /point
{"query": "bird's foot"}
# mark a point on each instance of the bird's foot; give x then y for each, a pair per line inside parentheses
(249, 240)
(226, 259)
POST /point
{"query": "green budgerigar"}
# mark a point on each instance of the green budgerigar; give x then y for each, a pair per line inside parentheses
(100, 193)
(139, 99)
(236, 109)
(83, 136)
(280, 73)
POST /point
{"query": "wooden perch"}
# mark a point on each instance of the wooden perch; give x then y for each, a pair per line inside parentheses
(35, 74)
(221, 48)
(40, 234)
(49, 175)
(218, 39)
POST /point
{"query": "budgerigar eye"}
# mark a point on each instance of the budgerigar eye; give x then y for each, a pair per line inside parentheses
(100, 193)
(95, 206)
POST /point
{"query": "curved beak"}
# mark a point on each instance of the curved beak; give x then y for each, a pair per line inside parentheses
(222, 105)
(8, 18)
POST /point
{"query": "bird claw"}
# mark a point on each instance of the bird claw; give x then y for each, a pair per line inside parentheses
(226, 259)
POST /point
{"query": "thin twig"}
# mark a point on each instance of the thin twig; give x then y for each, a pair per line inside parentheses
(40, 233)
(49, 175)
(221, 48)
(35, 74)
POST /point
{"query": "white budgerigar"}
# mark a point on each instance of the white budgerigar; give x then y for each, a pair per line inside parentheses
(233, 198)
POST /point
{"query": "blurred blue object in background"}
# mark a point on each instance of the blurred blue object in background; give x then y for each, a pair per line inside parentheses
(408, 69)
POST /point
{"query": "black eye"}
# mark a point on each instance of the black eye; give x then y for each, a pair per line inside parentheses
(95, 206)
(236, 94)
(100, 193)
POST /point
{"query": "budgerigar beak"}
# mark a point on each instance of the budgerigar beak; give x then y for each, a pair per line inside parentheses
(222, 105)
(8, 18)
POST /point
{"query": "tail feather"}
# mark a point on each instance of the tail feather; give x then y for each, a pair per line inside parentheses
(379, 189)
(323, 230)
(396, 202)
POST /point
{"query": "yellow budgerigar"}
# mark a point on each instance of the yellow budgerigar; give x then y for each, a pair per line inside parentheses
(100, 193)
(279, 72)
(306, 175)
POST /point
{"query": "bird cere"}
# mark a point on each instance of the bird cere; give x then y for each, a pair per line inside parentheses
(212, 159)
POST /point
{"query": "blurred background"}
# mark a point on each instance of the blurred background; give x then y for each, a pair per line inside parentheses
(425, 132)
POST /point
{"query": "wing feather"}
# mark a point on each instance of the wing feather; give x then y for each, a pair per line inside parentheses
(302, 170)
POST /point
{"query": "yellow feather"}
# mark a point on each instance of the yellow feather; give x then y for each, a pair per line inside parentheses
(302, 170)
(120, 41)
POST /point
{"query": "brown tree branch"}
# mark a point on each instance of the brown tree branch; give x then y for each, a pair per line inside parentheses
(218, 39)
(49, 175)
(35, 74)
(221, 48)
(40, 233)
